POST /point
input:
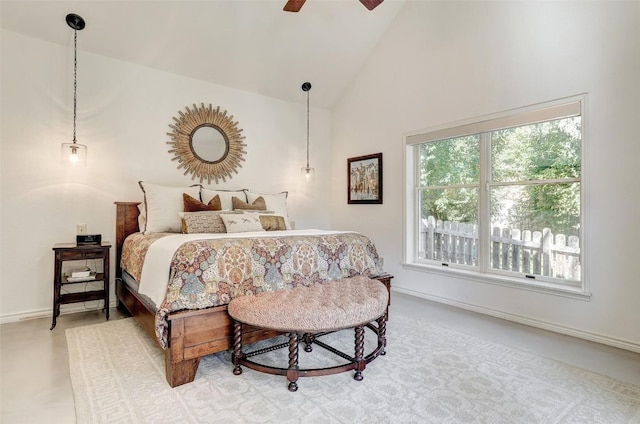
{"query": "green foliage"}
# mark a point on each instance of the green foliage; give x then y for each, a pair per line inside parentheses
(459, 205)
(544, 153)
(446, 163)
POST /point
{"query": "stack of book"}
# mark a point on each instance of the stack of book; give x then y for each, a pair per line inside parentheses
(81, 274)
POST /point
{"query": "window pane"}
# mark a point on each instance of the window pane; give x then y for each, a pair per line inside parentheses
(500, 195)
(449, 225)
(450, 162)
(535, 229)
(544, 151)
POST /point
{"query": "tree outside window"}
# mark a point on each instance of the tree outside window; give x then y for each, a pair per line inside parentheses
(503, 200)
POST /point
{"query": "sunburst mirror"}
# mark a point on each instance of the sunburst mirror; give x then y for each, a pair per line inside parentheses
(207, 143)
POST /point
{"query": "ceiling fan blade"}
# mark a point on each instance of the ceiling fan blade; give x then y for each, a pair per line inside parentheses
(293, 5)
(371, 4)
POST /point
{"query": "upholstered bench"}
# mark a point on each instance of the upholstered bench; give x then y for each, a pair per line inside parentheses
(308, 312)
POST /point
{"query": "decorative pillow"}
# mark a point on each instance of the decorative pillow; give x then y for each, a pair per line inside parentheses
(142, 217)
(162, 205)
(258, 211)
(225, 196)
(272, 222)
(242, 223)
(195, 205)
(203, 222)
(275, 202)
(257, 205)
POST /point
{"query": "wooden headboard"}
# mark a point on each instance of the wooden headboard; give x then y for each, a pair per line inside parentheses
(126, 223)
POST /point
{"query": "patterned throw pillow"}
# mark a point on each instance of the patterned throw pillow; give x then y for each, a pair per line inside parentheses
(257, 204)
(272, 222)
(204, 222)
(194, 205)
(242, 222)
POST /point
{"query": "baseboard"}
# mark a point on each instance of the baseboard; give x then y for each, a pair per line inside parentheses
(593, 337)
(46, 313)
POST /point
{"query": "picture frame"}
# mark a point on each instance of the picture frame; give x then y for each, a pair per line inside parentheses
(364, 179)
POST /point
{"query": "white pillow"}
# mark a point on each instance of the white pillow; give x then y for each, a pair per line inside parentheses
(162, 205)
(242, 222)
(142, 217)
(275, 202)
(225, 196)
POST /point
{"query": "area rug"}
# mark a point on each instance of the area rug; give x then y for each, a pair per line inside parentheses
(430, 374)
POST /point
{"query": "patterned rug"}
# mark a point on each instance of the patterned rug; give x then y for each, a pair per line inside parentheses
(430, 374)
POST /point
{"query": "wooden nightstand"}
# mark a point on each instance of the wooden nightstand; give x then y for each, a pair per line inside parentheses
(71, 252)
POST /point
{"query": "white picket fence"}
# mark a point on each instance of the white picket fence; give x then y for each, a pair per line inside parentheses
(528, 252)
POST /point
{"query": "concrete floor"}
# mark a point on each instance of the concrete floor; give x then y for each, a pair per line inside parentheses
(36, 388)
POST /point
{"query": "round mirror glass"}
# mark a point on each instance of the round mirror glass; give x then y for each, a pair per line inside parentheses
(208, 144)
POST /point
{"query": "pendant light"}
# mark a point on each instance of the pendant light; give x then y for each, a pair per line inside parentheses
(307, 171)
(74, 154)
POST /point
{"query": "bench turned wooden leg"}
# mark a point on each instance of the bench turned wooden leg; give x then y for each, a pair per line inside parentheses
(382, 333)
(308, 339)
(359, 358)
(292, 371)
(237, 347)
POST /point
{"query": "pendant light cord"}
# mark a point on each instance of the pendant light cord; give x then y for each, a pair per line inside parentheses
(307, 129)
(75, 80)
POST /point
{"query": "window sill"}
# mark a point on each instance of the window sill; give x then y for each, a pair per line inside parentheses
(535, 286)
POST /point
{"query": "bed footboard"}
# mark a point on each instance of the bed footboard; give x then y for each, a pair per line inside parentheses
(192, 334)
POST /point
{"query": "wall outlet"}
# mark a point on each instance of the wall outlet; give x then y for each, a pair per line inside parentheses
(81, 229)
(381, 260)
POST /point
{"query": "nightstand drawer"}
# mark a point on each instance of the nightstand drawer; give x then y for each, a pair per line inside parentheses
(74, 255)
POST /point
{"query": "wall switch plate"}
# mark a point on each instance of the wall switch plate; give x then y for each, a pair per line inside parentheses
(81, 229)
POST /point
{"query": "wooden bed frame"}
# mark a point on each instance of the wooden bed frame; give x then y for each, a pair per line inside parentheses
(193, 333)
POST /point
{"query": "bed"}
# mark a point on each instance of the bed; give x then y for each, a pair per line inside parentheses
(190, 329)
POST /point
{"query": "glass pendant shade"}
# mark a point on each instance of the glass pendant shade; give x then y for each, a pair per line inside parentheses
(74, 154)
(308, 173)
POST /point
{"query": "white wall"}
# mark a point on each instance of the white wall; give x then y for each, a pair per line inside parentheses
(124, 112)
(442, 62)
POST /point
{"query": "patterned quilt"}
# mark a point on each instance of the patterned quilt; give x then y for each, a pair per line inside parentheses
(206, 273)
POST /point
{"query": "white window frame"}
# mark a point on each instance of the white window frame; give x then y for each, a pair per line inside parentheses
(557, 109)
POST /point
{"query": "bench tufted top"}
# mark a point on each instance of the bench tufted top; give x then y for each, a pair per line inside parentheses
(334, 305)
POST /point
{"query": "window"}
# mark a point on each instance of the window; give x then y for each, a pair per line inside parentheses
(500, 197)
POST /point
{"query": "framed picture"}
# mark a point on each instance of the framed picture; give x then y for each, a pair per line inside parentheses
(365, 179)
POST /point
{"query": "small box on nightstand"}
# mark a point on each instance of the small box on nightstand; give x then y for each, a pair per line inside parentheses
(88, 239)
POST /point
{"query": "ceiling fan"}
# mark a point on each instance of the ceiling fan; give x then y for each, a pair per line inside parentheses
(296, 5)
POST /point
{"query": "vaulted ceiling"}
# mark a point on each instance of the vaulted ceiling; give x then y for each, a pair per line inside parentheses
(248, 45)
